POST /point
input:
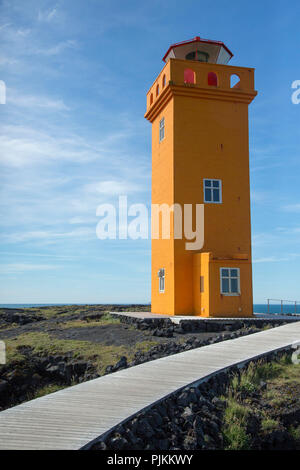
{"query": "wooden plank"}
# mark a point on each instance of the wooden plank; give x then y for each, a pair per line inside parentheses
(73, 417)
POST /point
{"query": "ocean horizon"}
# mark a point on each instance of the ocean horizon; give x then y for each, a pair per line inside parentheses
(257, 308)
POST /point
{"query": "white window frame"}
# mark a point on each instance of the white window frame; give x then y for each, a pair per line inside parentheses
(219, 188)
(161, 129)
(162, 281)
(229, 277)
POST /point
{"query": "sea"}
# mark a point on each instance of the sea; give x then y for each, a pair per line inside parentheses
(257, 308)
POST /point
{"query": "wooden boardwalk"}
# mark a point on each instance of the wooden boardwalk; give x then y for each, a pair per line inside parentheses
(73, 417)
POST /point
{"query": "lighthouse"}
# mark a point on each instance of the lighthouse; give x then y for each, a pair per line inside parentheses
(198, 108)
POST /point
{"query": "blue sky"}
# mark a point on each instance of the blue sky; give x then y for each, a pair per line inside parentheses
(73, 136)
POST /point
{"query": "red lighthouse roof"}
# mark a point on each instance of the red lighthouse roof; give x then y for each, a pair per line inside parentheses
(202, 50)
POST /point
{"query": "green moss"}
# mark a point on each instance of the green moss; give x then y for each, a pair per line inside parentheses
(295, 432)
(235, 424)
(269, 425)
(249, 379)
(282, 378)
(235, 411)
(106, 319)
(43, 344)
(235, 437)
(46, 390)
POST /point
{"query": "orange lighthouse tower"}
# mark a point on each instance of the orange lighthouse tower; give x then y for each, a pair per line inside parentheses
(198, 107)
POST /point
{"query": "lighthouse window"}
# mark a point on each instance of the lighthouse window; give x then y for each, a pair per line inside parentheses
(212, 79)
(189, 76)
(161, 276)
(230, 281)
(212, 191)
(161, 129)
(197, 55)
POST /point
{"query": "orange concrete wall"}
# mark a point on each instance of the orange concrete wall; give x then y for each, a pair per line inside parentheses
(226, 306)
(162, 254)
(201, 300)
(206, 136)
(200, 128)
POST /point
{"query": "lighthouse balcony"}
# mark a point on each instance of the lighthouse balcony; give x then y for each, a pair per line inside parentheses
(204, 79)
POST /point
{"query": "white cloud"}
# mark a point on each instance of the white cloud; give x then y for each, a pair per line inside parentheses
(288, 230)
(82, 220)
(57, 49)
(50, 236)
(4, 26)
(47, 15)
(292, 208)
(23, 32)
(13, 268)
(258, 196)
(112, 187)
(270, 259)
(33, 101)
(4, 60)
(21, 146)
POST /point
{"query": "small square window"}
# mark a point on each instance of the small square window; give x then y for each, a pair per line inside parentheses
(207, 195)
(201, 283)
(161, 129)
(213, 191)
(225, 272)
(234, 286)
(230, 281)
(161, 277)
(225, 286)
(216, 195)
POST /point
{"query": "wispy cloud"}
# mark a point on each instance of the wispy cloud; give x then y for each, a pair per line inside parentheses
(37, 255)
(18, 268)
(47, 15)
(264, 167)
(259, 196)
(50, 236)
(34, 101)
(288, 230)
(56, 49)
(21, 146)
(292, 208)
(270, 259)
(113, 187)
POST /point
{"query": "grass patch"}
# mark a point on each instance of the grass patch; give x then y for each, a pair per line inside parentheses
(235, 424)
(249, 380)
(236, 437)
(9, 326)
(268, 425)
(46, 390)
(42, 344)
(295, 432)
(277, 375)
(106, 319)
(267, 327)
(282, 379)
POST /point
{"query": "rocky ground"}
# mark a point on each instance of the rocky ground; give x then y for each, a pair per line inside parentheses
(254, 409)
(52, 347)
